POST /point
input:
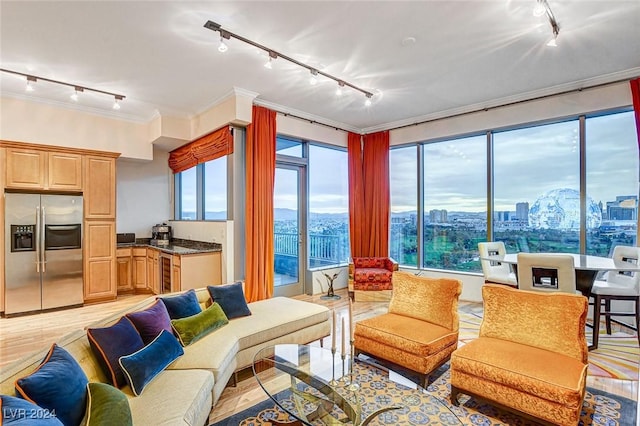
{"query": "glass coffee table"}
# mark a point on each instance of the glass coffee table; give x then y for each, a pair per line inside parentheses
(314, 387)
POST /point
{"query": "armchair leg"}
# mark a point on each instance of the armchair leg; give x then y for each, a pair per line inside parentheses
(454, 395)
(607, 308)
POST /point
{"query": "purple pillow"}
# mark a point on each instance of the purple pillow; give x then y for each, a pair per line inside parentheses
(151, 321)
(108, 344)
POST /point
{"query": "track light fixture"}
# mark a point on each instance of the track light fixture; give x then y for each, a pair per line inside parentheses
(273, 54)
(367, 102)
(77, 88)
(339, 89)
(542, 8)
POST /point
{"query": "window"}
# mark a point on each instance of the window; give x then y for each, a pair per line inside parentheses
(403, 241)
(537, 188)
(201, 191)
(328, 206)
(455, 203)
(290, 147)
(612, 176)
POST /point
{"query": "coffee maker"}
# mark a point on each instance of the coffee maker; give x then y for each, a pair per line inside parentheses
(161, 234)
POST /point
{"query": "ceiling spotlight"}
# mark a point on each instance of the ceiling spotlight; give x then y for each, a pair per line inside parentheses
(539, 9)
(116, 102)
(552, 43)
(339, 89)
(222, 47)
(74, 95)
(30, 81)
(367, 102)
(272, 56)
(313, 80)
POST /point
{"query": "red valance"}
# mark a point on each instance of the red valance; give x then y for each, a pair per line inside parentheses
(214, 145)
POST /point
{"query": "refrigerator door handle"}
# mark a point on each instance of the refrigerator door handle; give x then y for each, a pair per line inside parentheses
(37, 239)
(43, 253)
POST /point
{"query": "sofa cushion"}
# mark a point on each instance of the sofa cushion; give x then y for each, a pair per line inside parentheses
(231, 299)
(183, 305)
(545, 374)
(193, 328)
(151, 321)
(20, 412)
(107, 405)
(175, 397)
(412, 335)
(58, 384)
(143, 366)
(110, 343)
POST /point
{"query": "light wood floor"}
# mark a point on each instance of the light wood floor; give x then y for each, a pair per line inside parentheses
(23, 335)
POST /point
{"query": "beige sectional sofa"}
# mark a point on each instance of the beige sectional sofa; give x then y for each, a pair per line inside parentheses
(184, 393)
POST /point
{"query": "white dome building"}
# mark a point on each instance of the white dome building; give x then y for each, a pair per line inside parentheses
(560, 209)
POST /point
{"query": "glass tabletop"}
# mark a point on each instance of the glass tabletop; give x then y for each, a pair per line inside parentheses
(315, 387)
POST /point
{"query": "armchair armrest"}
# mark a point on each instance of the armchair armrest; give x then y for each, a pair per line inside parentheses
(390, 264)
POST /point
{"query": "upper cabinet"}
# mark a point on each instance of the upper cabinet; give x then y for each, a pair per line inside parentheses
(47, 170)
(100, 187)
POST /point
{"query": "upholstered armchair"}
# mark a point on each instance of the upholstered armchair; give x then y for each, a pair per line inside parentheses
(530, 357)
(371, 274)
(420, 330)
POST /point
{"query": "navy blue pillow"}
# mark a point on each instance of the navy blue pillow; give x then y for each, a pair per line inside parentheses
(231, 299)
(110, 343)
(151, 321)
(20, 412)
(182, 306)
(141, 367)
(57, 384)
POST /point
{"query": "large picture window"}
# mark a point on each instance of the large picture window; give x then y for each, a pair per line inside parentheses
(403, 169)
(201, 191)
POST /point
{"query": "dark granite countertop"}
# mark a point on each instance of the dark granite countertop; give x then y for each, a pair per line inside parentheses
(176, 246)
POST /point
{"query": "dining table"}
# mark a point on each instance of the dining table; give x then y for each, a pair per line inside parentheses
(586, 267)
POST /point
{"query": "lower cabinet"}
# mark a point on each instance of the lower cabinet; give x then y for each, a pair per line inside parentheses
(124, 267)
(200, 270)
(99, 261)
(139, 274)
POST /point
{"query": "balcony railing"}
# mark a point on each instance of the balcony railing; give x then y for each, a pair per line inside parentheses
(323, 249)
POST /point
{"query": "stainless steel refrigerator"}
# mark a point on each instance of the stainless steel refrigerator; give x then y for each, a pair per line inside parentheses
(43, 252)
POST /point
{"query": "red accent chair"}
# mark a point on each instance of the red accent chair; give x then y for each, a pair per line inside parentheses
(371, 274)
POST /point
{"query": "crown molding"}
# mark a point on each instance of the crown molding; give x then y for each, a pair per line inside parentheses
(306, 116)
(234, 92)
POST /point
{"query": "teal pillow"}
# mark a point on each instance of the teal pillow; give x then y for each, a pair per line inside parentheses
(107, 406)
(231, 299)
(58, 384)
(141, 367)
(20, 412)
(183, 305)
(197, 326)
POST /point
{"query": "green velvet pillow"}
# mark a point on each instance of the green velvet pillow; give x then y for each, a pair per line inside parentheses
(195, 327)
(107, 405)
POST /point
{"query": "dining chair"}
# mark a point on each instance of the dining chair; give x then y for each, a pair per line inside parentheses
(619, 285)
(546, 272)
(495, 272)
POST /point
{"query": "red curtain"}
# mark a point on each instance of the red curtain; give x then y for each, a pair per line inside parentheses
(375, 177)
(214, 145)
(635, 94)
(260, 175)
(357, 218)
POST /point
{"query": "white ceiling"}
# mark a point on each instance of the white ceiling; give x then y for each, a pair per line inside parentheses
(467, 54)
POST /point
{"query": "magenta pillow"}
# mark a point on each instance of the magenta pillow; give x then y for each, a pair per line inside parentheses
(151, 321)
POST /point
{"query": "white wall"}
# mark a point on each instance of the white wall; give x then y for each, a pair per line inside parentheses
(320, 283)
(144, 193)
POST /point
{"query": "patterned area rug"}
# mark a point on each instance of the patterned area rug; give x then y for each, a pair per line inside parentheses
(376, 391)
(617, 356)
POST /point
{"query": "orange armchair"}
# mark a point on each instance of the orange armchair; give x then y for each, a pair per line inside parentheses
(371, 274)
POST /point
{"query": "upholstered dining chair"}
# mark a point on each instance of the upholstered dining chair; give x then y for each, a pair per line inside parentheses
(546, 272)
(496, 272)
(420, 330)
(619, 285)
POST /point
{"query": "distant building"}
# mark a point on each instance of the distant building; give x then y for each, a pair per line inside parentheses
(625, 207)
(438, 216)
(522, 212)
(501, 216)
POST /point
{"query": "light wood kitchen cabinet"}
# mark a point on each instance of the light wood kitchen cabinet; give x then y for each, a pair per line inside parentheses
(44, 170)
(99, 261)
(176, 273)
(100, 187)
(124, 267)
(153, 272)
(140, 269)
(2, 236)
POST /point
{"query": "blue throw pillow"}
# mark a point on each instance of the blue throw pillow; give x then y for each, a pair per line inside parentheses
(20, 412)
(182, 306)
(151, 321)
(57, 384)
(141, 367)
(231, 299)
(110, 343)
